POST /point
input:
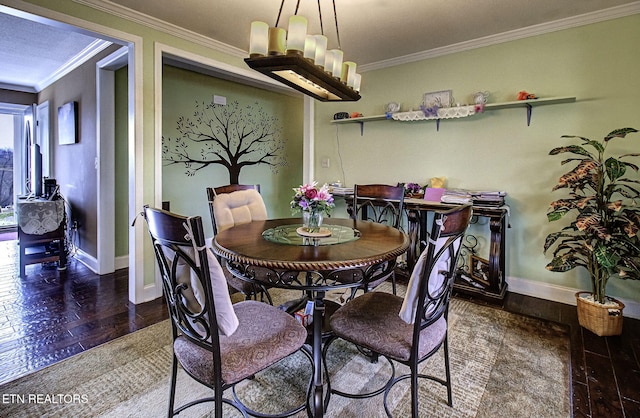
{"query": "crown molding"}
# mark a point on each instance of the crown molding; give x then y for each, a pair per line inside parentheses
(91, 50)
(18, 87)
(162, 26)
(535, 30)
(13, 108)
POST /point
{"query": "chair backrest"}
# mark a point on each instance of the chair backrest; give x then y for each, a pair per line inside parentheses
(378, 203)
(185, 267)
(439, 267)
(235, 204)
(431, 283)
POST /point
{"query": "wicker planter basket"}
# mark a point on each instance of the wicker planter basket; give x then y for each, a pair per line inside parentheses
(599, 319)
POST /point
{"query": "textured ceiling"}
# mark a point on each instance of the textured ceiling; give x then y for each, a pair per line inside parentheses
(371, 31)
(31, 53)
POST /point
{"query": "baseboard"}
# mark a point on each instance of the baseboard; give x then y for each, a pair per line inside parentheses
(532, 288)
(122, 262)
(151, 292)
(562, 294)
(91, 262)
(88, 260)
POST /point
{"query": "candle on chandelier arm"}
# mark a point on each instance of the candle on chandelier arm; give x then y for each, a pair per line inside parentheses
(328, 61)
(296, 34)
(321, 50)
(277, 41)
(310, 47)
(337, 63)
(258, 39)
(348, 73)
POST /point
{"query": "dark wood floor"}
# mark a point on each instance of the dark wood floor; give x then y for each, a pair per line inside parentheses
(50, 315)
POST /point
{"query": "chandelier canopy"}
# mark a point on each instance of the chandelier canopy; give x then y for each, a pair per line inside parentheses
(302, 61)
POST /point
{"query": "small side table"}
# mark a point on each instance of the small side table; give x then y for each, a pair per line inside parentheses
(41, 232)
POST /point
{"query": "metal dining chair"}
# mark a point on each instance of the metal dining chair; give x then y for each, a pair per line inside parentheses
(409, 330)
(237, 204)
(215, 342)
(383, 204)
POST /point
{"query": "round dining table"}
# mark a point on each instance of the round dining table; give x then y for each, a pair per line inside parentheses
(281, 253)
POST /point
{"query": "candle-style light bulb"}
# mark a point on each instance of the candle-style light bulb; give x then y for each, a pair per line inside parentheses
(321, 50)
(277, 41)
(258, 39)
(296, 34)
(337, 63)
(348, 73)
(310, 47)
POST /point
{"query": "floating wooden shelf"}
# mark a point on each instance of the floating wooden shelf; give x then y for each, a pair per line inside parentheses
(528, 104)
(531, 102)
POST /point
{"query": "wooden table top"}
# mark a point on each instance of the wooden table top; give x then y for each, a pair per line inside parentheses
(244, 244)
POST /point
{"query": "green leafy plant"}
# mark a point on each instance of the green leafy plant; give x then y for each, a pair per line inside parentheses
(603, 238)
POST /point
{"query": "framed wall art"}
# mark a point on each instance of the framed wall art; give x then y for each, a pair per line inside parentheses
(438, 98)
(68, 123)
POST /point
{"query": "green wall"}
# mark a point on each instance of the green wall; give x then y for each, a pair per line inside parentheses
(597, 63)
(187, 194)
(496, 150)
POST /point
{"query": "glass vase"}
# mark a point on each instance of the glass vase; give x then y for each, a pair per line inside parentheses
(312, 221)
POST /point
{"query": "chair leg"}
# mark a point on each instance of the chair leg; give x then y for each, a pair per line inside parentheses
(172, 389)
(393, 282)
(447, 370)
(23, 254)
(217, 393)
(414, 391)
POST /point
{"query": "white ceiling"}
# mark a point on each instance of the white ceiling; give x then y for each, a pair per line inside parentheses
(374, 33)
(33, 55)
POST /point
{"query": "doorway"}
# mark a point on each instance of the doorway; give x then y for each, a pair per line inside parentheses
(12, 157)
(133, 138)
(7, 214)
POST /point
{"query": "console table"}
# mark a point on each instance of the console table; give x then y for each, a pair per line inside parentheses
(492, 285)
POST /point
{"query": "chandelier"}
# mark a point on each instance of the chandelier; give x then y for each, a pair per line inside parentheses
(302, 61)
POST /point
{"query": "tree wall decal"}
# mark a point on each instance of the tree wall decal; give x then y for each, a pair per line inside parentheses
(227, 135)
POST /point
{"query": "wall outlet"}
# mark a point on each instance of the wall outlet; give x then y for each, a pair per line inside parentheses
(325, 162)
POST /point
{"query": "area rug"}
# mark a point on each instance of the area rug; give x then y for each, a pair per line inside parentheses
(503, 365)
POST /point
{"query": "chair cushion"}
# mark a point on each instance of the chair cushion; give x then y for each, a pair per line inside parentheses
(264, 336)
(372, 321)
(237, 208)
(195, 296)
(225, 315)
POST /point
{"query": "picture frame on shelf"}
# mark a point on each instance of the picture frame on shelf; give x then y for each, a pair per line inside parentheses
(437, 98)
(479, 269)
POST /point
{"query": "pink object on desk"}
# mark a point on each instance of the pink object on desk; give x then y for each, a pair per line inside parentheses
(433, 194)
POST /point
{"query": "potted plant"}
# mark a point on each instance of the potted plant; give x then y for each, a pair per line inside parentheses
(603, 237)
